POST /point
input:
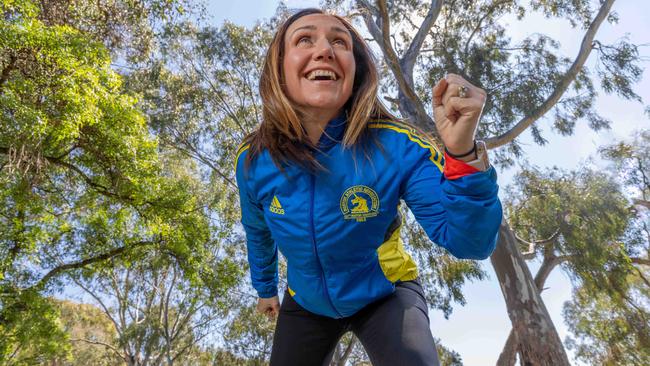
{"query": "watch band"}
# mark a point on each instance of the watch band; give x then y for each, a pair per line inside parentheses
(459, 156)
(481, 162)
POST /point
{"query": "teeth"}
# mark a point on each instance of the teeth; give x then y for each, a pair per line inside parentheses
(316, 73)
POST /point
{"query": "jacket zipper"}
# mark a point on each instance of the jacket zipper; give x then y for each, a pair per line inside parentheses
(313, 241)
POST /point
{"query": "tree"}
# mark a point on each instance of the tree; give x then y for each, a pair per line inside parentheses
(610, 323)
(159, 316)
(632, 160)
(82, 180)
(608, 332)
(524, 82)
(582, 223)
(88, 328)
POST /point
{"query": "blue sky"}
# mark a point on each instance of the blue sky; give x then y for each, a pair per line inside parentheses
(478, 330)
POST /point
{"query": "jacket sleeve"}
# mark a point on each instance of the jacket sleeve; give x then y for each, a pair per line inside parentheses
(460, 212)
(262, 250)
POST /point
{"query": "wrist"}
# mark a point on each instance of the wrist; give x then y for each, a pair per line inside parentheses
(463, 153)
(456, 168)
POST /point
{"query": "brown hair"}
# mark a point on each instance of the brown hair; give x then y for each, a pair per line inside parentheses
(281, 131)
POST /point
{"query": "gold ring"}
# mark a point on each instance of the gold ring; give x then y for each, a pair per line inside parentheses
(462, 91)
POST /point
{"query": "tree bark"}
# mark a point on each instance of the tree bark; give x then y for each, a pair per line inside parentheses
(534, 332)
(509, 352)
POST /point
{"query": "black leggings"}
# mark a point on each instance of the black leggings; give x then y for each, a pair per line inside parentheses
(393, 330)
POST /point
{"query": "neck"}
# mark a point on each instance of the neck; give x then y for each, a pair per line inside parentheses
(315, 123)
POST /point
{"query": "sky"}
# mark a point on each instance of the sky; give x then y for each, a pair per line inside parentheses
(479, 330)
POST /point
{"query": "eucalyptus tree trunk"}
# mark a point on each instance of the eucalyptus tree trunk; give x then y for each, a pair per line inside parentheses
(533, 334)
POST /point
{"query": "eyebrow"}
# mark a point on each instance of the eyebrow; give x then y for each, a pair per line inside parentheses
(313, 27)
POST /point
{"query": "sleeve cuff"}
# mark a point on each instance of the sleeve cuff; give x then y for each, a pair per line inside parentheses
(455, 168)
(267, 293)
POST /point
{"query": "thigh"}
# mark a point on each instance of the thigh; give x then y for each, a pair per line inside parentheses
(302, 337)
(395, 330)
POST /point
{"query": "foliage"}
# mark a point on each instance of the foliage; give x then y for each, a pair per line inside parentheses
(610, 331)
(448, 357)
(89, 330)
(30, 331)
(470, 38)
(584, 222)
(611, 327)
(82, 180)
(158, 315)
(250, 335)
(632, 160)
(584, 213)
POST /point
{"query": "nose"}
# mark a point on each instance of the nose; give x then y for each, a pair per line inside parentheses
(324, 51)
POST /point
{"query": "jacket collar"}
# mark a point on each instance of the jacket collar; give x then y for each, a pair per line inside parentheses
(333, 133)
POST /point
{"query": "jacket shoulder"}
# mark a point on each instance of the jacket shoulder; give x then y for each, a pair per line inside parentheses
(240, 155)
(399, 134)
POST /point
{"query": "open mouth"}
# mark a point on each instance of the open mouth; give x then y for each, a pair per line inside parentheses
(322, 75)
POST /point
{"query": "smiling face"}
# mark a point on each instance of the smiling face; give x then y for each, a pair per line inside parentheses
(318, 64)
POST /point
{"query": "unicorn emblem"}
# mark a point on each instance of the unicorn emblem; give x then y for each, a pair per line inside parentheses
(360, 205)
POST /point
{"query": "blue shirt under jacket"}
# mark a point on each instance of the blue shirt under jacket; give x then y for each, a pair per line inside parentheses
(338, 228)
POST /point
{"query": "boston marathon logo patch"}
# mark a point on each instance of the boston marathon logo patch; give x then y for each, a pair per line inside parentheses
(359, 203)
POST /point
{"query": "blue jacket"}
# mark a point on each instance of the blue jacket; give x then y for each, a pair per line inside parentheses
(339, 229)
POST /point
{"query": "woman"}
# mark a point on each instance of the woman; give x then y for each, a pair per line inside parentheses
(322, 178)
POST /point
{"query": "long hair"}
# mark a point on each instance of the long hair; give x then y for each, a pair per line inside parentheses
(281, 131)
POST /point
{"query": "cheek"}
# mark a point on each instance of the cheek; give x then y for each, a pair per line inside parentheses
(350, 68)
(290, 68)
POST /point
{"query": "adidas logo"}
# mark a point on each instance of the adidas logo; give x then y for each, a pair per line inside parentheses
(276, 207)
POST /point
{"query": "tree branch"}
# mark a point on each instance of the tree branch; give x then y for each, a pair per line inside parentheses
(100, 344)
(409, 58)
(410, 105)
(643, 261)
(641, 202)
(487, 14)
(118, 326)
(82, 263)
(545, 269)
(348, 350)
(530, 254)
(585, 49)
(98, 187)
(391, 56)
(367, 15)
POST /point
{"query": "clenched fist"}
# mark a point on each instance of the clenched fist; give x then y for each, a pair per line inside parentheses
(269, 306)
(456, 115)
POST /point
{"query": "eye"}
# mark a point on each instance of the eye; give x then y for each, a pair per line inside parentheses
(340, 42)
(304, 40)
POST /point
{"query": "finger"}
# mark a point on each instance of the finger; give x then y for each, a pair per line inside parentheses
(269, 314)
(457, 79)
(452, 91)
(438, 91)
(451, 113)
(463, 107)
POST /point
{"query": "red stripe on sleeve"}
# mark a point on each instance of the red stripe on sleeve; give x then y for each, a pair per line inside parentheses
(455, 168)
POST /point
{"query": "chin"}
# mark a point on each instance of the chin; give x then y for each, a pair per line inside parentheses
(325, 102)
